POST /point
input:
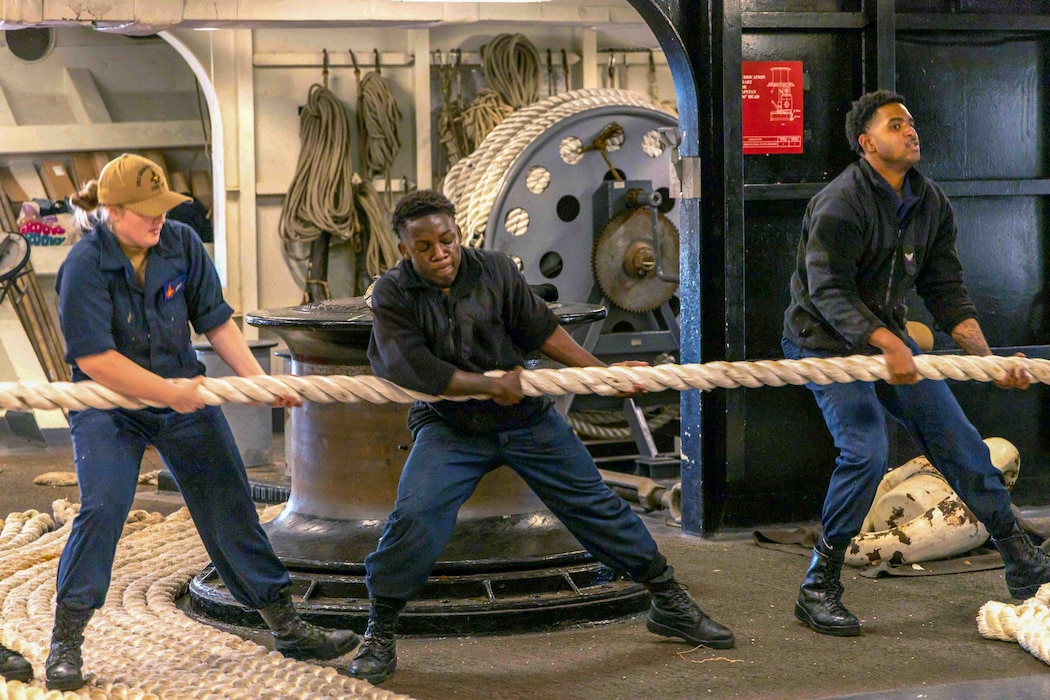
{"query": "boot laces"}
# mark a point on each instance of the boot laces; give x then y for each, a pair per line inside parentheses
(834, 598)
(675, 599)
(377, 637)
(68, 652)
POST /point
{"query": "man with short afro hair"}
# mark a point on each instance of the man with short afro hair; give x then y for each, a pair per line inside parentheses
(443, 317)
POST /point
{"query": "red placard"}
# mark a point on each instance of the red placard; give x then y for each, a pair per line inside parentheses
(772, 101)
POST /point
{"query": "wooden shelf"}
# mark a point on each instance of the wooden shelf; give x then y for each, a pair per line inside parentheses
(280, 189)
(116, 136)
(336, 59)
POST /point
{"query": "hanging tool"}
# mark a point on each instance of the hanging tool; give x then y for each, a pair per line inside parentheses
(550, 75)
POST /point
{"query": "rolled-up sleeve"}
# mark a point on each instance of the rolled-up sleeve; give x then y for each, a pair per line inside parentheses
(85, 308)
(206, 307)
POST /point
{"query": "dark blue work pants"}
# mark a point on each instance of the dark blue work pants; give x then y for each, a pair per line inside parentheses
(200, 451)
(445, 467)
(934, 420)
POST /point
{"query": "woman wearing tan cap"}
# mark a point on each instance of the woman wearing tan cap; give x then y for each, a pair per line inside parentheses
(128, 292)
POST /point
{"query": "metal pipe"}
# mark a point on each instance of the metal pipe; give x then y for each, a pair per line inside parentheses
(646, 492)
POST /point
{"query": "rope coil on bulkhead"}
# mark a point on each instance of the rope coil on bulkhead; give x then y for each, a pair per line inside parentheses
(378, 123)
(321, 196)
(326, 196)
(512, 67)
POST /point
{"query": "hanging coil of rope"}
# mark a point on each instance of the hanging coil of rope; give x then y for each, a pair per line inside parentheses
(326, 196)
(378, 123)
(485, 112)
(511, 65)
(512, 68)
(381, 252)
(321, 197)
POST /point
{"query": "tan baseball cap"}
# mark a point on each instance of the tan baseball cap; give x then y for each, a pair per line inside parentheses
(136, 183)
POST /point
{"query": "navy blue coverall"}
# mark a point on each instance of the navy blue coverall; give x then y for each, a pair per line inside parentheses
(103, 307)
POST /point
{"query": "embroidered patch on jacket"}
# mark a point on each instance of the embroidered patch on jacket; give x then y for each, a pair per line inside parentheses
(176, 286)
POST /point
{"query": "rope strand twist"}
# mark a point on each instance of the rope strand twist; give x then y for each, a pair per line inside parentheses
(605, 381)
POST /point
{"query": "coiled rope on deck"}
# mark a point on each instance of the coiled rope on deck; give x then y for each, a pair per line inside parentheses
(1028, 624)
(605, 381)
(140, 645)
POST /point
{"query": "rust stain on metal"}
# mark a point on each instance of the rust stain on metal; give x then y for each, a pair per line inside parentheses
(874, 556)
(955, 512)
(901, 535)
(895, 515)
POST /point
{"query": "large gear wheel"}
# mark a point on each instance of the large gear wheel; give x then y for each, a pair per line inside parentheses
(624, 262)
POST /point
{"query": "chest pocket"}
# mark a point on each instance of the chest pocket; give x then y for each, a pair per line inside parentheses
(172, 314)
(130, 332)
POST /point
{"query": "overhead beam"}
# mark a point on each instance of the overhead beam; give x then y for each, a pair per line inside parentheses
(85, 100)
(67, 138)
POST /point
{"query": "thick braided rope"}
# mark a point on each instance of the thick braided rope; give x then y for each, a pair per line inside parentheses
(140, 645)
(596, 424)
(605, 381)
(478, 181)
(1028, 624)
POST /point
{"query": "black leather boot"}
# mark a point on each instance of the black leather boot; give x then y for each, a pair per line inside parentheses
(63, 668)
(674, 613)
(819, 602)
(14, 667)
(294, 637)
(1027, 566)
(377, 657)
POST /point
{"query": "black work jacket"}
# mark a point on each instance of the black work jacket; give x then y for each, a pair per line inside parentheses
(856, 263)
(488, 320)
